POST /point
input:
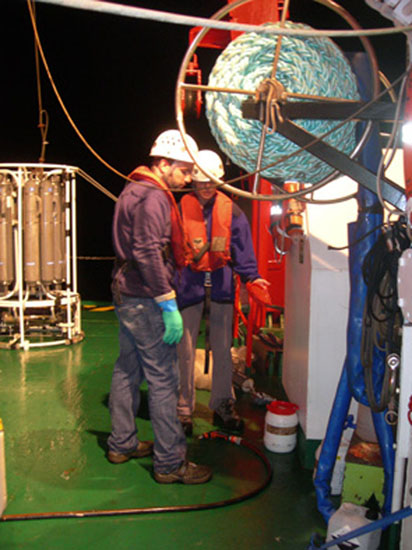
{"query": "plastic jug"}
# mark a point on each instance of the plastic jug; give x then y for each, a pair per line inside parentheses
(281, 427)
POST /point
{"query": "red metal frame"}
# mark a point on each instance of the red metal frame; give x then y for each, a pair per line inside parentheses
(269, 267)
(256, 13)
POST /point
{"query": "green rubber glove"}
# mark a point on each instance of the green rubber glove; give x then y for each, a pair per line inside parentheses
(173, 322)
(174, 327)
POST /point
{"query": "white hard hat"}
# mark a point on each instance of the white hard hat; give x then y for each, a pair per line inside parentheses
(211, 162)
(169, 145)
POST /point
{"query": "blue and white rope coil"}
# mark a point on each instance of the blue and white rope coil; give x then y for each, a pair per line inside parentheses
(313, 66)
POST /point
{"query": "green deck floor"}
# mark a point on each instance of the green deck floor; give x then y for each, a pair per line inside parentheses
(53, 403)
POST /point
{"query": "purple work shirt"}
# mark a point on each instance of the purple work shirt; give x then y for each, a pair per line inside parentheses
(141, 233)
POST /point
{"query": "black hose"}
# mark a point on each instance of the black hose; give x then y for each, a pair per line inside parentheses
(382, 318)
(162, 509)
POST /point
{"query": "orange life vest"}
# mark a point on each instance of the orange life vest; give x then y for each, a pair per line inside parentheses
(217, 251)
(179, 242)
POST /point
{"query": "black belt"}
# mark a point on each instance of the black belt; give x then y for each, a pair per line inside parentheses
(208, 292)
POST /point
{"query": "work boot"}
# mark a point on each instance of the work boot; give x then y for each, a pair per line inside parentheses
(144, 448)
(187, 424)
(188, 473)
(226, 417)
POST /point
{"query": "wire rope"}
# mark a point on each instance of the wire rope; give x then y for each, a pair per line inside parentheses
(123, 176)
(383, 164)
(88, 178)
(192, 21)
(96, 184)
(68, 116)
(59, 98)
(43, 124)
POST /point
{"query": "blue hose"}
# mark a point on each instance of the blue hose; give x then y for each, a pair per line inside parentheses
(330, 446)
(352, 379)
(370, 216)
(386, 443)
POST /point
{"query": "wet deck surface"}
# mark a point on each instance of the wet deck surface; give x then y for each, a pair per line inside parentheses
(53, 403)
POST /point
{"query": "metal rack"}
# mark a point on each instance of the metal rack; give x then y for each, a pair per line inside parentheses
(39, 302)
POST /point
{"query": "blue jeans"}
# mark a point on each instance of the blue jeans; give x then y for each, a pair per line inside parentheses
(144, 355)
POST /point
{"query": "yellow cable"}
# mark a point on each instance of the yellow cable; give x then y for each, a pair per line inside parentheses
(43, 124)
(60, 100)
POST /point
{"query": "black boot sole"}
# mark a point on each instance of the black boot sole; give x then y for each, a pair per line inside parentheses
(232, 426)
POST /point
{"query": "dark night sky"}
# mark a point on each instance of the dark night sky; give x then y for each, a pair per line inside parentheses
(117, 78)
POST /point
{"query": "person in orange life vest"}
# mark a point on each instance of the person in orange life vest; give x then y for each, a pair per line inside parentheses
(148, 240)
(219, 234)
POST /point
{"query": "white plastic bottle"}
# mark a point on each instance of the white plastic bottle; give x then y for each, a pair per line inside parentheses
(281, 427)
(347, 518)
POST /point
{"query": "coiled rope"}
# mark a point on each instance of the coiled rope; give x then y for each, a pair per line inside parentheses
(313, 66)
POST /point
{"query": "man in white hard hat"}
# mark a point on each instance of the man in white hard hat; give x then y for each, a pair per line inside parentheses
(148, 243)
(221, 245)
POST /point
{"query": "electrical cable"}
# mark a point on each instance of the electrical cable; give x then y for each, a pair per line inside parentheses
(40, 50)
(43, 115)
(357, 241)
(162, 509)
(56, 92)
(382, 318)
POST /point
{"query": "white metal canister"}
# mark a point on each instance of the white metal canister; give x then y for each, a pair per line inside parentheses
(281, 426)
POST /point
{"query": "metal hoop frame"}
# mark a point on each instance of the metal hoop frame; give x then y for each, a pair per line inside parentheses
(180, 86)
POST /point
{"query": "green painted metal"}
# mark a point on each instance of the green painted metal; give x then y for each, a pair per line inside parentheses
(53, 403)
(361, 482)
